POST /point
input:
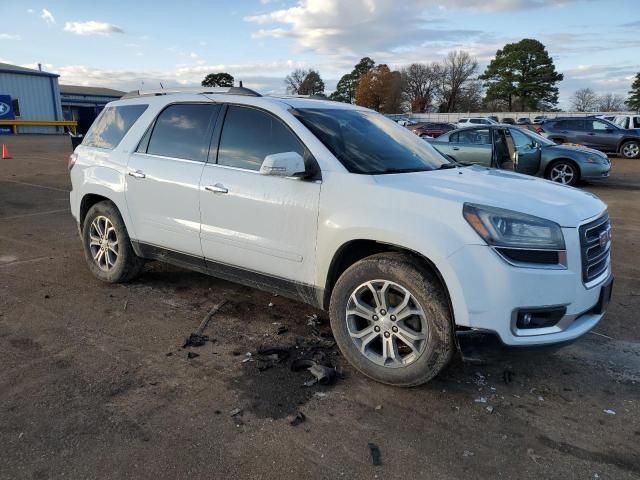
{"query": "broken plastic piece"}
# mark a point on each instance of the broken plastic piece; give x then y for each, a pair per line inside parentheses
(375, 453)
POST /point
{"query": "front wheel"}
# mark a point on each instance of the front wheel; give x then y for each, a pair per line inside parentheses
(563, 172)
(630, 149)
(107, 247)
(391, 320)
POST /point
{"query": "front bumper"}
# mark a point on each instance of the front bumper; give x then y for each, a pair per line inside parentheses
(494, 292)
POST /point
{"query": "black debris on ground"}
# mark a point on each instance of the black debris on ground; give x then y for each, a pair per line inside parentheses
(195, 340)
(297, 419)
(192, 355)
(375, 454)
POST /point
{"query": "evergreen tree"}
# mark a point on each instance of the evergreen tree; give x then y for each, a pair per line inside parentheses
(522, 71)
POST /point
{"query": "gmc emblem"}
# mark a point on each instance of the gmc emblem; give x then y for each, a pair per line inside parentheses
(605, 238)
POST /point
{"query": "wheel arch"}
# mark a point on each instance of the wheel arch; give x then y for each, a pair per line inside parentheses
(625, 140)
(355, 250)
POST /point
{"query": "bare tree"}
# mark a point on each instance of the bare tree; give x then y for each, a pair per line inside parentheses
(611, 102)
(419, 83)
(455, 70)
(584, 100)
(294, 80)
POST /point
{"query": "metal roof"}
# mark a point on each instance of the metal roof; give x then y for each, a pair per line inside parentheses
(90, 91)
(8, 68)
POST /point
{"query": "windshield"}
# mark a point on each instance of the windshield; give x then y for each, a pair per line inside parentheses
(369, 143)
(537, 137)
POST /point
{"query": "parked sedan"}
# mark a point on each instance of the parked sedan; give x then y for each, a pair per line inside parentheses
(521, 150)
(431, 129)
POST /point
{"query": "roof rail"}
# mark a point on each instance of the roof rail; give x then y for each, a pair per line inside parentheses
(197, 90)
(315, 96)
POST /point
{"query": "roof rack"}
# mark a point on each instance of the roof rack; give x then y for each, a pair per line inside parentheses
(315, 96)
(197, 90)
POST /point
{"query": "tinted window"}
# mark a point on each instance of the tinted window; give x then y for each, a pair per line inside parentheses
(249, 135)
(369, 143)
(112, 125)
(570, 124)
(636, 122)
(182, 131)
(480, 136)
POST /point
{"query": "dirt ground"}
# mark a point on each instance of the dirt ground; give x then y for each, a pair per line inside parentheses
(94, 382)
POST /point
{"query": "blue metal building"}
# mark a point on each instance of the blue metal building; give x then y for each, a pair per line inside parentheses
(35, 95)
(83, 104)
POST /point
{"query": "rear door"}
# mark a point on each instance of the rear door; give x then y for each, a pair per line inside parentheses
(251, 222)
(471, 145)
(164, 175)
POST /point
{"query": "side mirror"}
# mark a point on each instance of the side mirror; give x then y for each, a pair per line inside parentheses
(286, 164)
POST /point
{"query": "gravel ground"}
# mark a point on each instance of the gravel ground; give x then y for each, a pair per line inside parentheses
(95, 383)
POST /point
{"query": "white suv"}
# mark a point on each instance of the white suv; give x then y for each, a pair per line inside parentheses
(346, 210)
(475, 121)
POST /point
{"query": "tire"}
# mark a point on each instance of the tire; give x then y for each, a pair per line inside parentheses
(118, 263)
(563, 172)
(431, 328)
(630, 149)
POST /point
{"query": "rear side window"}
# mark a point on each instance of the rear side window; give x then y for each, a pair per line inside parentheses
(249, 135)
(183, 131)
(636, 122)
(112, 125)
(573, 124)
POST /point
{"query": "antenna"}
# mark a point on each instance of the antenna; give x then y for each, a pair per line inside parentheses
(240, 83)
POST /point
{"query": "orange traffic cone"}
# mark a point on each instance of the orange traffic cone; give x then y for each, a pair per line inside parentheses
(5, 152)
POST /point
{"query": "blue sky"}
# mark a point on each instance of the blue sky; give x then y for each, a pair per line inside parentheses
(121, 44)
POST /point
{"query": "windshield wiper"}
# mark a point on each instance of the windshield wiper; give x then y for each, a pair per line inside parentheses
(446, 166)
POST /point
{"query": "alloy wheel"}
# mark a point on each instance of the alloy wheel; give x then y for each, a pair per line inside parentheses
(562, 173)
(103, 243)
(386, 323)
(631, 150)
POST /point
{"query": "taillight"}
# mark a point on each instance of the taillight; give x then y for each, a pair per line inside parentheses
(539, 130)
(72, 160)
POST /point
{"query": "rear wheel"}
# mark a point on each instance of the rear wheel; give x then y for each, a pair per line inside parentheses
(630, 149)
(564, 172)
(391, 320)
(107, 247)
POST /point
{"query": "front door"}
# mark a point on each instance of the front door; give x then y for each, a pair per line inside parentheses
(600, 135)
(164, 175)
(528, 158)
(251, 222)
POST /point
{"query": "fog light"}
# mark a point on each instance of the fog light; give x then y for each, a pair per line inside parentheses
(540, 317)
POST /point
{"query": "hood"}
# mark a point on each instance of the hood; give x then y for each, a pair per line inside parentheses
(564, 205)
(577, 148)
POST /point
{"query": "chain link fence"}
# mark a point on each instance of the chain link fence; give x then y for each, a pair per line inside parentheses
(455, 117)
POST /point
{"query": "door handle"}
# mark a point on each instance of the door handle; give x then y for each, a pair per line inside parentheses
(455, 148)
(217, 188)
(137, 174)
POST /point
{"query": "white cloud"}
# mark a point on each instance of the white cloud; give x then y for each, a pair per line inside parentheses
(29, 10)
(362, 26)
(91, 28)
(47, 17)
(9, 36)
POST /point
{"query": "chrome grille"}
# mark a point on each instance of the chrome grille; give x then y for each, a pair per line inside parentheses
(595, 246)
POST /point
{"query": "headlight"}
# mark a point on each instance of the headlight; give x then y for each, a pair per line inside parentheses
(505, 228)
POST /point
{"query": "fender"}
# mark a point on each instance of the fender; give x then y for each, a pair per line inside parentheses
(108, 182)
